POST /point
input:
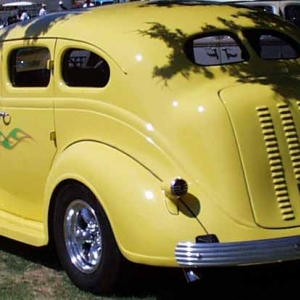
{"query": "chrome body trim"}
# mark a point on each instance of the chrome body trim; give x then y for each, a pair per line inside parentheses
(189, 254)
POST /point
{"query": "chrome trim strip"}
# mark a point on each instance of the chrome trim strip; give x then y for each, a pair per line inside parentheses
(237, 253)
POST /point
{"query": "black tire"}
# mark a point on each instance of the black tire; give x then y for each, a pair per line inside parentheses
(85, 242)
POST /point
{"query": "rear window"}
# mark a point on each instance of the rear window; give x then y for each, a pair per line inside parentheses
(216, 49)
(273, 45)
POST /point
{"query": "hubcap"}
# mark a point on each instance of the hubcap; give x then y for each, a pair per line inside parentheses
(83, 236)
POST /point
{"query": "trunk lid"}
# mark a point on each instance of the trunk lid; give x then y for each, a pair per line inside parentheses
(272, 171)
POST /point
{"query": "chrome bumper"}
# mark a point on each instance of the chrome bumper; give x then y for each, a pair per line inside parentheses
(190, 254)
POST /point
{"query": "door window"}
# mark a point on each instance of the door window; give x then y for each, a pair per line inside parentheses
(29, 67)
(83, 68)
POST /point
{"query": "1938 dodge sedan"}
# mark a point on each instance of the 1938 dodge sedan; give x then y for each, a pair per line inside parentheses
(159, 133)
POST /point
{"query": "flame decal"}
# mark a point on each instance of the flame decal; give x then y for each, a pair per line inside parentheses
(13, 139)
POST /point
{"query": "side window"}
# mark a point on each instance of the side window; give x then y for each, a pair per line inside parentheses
(292, 13)
(218, 49)
(83, 68)
(28, 67)
(273, 45)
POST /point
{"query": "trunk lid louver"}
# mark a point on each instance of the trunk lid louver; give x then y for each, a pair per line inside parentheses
(266, 131)
(275, 161)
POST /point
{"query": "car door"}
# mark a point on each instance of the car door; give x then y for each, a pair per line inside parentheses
(27, 127)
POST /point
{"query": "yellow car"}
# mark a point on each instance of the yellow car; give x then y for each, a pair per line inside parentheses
(155, 133)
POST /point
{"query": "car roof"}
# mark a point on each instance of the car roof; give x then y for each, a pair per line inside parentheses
(124, 27)
(118, 18)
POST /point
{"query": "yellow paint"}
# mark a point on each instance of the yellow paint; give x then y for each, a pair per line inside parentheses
(160, 117)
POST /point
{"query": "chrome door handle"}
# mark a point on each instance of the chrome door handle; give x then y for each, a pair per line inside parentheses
(3, 114)
(6, 118)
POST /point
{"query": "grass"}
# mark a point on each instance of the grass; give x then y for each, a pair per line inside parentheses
(29, 273)
(32, 276)
(35, 273)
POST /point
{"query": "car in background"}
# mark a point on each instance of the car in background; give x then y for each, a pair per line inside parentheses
(171, 139)
(95, 3)
(104, 2)
(10, 20)
(287, 9)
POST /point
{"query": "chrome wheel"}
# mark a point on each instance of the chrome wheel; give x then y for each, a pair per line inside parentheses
(85, 241)
(83, 236)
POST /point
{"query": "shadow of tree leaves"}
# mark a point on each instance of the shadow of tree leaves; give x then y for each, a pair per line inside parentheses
(287, 71)
(37, 26)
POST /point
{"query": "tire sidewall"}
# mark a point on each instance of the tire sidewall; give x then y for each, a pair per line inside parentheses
(103, 277)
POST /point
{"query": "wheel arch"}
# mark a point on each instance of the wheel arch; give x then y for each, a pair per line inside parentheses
(131, 197)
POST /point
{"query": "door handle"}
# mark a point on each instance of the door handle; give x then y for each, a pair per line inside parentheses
(6, 118)
(3, 114)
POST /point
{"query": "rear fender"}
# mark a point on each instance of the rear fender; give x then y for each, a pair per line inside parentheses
(144, 227)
